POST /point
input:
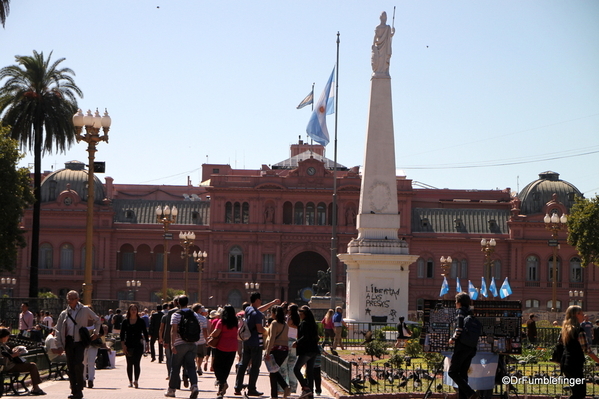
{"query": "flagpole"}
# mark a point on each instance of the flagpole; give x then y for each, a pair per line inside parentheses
(333, 292)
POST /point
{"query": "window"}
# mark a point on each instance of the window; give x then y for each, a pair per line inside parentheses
(235, 259)
(492, 269)
(287, 213)
(298, 214)
(420, 268)
(532, 268)
(310, 214)
(419, 304)
(129, 214)
(550, 269)
(66, 257)
(268, 263)
(127, 257)
(46, 253)
(215, 171)
(228, 213)
(237, 213)
(245, 213)
(559, 305)
(235, 299)
(531, 303)
(425, 268)
(459, 268)
(575, 270)
(321, 214)
(158, 266)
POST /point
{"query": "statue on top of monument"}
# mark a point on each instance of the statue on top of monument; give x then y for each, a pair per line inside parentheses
(381, 47)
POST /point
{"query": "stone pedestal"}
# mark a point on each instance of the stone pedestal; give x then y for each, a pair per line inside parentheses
(321, 304)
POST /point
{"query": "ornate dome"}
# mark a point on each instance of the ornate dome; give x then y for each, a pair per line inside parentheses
(535, 195)
(73, 176)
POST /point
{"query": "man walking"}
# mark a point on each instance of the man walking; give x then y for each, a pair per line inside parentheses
(75, 316)
(154, 332)
(185, 332)
(339, 324)
(252, 348)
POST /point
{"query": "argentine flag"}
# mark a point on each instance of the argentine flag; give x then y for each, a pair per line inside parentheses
(472, 291)
(458, 286)
(493, 287)
(317, 125)
(481, 374)
(483, 288)
(444, 287)
(505, 289)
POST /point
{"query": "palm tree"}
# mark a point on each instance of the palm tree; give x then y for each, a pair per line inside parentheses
(4, 10)
(38, 97)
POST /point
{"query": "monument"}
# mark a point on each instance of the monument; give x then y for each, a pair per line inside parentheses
(377, 260)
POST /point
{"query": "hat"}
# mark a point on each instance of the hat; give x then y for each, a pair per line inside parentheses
(212, 314)
(202, 310)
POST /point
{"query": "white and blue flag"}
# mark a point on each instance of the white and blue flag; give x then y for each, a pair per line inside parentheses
(444, 287)
(505, 289)
(317, 125)
(458, 286)
(493, 287)
(309, 99)
(483, 288)
(472, 291)
(481, 374)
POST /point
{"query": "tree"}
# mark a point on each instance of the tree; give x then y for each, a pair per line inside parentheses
(16, 196)
(36, 98)
(583, 229)
(4, 10)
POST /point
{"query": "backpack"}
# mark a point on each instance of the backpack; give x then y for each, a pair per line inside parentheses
(189, 326)
(243, 331)
(472, 330)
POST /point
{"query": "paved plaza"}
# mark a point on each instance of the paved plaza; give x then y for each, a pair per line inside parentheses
(113, 383)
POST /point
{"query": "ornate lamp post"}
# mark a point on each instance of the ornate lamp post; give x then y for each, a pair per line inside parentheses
(166, 216)
(251, 286)
(186, 240)
(488, 247)
(133, 287)
(445, 265)
(92, 137)
(8, 284)
(554, 224)
(200, 258)
(574, 295)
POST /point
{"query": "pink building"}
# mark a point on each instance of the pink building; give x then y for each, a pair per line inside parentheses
(273, 226)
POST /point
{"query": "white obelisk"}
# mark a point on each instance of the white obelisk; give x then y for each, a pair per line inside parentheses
(377, 261)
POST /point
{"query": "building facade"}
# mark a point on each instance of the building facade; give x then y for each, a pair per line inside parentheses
(272, 226)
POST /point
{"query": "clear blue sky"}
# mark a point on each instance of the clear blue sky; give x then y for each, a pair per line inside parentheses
(486, 94)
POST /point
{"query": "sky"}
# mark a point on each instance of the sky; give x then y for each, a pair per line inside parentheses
(486, 94)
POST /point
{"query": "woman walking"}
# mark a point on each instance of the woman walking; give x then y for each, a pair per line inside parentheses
(223, 355)
(576, 346)
(134, 340)
(278, 348)
(307, 350)
(329, 327)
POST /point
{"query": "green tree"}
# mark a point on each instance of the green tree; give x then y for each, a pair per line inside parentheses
(16, 196)
(4, 10)
(583, 229)
(37, 102)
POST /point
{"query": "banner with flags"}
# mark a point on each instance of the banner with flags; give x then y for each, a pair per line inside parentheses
(481, 374)
(309, 99)
(458, 286)
(493, 287)
(483, 288)
(472, 291)
(444, 287)
(505, 289)
(317, 125)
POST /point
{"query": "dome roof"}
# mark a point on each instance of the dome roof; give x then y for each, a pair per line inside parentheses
(74, 176)
(535, 195)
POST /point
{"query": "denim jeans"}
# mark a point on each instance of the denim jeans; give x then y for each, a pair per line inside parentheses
(253, 354)
(307, 359)
(186, 357)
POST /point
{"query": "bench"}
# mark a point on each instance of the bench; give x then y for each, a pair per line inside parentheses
(15, 382)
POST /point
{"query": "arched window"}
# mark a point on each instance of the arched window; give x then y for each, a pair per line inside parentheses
(425, 268)
(492, 269)
(310, 214)
(532, 268)
(237, 213)
(46, 253)
(550, 269)
(245, 213)
(228, 212)
(127, 257)
(321, 214)
(575, 270)
(298, 214)
(287, 213)
(459, 268)
(66, 257)
(420, 304)
(235, 259)
(159, 258)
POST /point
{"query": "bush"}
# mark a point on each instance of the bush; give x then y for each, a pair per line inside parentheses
(396, 358)
(413, 348)
(432, 360)
(376, 347)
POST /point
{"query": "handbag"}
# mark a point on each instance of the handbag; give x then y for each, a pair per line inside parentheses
(213, 341)
(271, 364)
(84, 336)
(558, 351)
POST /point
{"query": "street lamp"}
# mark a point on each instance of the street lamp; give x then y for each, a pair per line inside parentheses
(92, 137)
(166, 216)
(133, 287)
(445, 265)
(8, 284)
(251, 286)
(199, 258)
(186, 241)
(554, 224)
(576, 294)
(488, 247)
